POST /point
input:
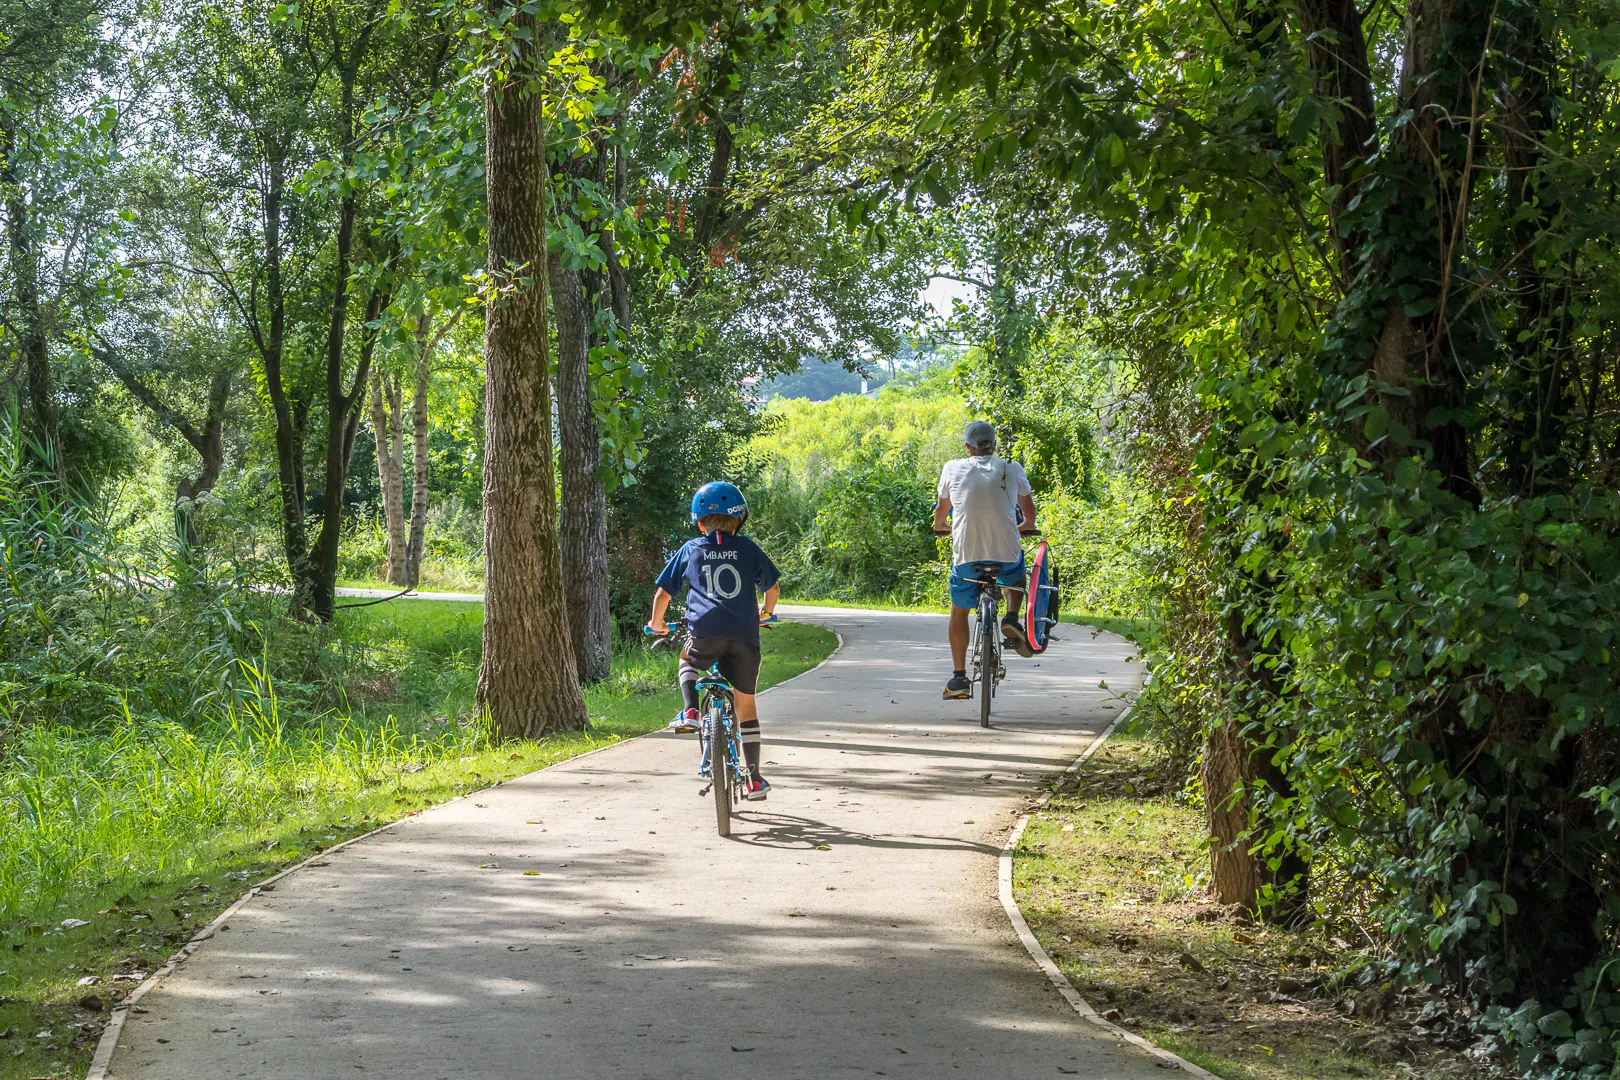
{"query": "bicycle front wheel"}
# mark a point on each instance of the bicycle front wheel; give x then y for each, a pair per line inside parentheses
(720, 765)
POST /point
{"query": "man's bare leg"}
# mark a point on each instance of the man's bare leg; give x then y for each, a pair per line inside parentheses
(1015, 610)
(958, 635)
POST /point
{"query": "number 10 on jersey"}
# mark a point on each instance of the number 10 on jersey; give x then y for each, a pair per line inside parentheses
(723, 581)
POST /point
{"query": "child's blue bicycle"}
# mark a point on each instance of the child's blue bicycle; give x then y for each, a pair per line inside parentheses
(717, 731)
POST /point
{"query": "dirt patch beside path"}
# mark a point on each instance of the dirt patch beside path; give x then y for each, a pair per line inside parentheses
(1110, 876)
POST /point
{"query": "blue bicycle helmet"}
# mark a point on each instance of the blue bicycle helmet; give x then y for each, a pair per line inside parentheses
(719, 497)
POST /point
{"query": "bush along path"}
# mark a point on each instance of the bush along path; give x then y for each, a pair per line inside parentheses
(137, 836)
(587, 921)
(1111, 876)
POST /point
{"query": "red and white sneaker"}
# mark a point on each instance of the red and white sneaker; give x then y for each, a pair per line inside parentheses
(685, 722)
(757, 789)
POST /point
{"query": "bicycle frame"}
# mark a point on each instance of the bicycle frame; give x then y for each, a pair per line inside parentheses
(985, 646)
(714, 690)
(717, 706)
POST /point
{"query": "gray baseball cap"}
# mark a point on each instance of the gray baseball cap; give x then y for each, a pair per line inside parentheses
(979, 435)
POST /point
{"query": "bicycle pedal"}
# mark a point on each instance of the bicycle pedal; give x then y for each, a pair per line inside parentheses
(703, 792)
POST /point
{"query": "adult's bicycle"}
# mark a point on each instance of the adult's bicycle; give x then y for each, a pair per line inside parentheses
(985, 648)
(720, 756)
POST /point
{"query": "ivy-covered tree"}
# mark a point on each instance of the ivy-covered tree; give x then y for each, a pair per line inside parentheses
(1374, 244)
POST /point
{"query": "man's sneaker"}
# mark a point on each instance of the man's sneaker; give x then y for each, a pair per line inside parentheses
(685, 722)
(757, 789)
(958, 688)
(1012, 633)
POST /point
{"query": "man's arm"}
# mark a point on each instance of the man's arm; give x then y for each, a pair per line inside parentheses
(942, 510)
(661, 601)
(1026, 503)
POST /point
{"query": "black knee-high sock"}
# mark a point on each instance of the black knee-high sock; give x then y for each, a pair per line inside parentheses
(689, 694)
(749, 729)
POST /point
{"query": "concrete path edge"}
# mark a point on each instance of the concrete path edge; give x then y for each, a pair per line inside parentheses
(108, 1044)
(1060, 981)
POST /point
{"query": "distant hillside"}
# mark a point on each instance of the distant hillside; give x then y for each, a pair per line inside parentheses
(821, 380)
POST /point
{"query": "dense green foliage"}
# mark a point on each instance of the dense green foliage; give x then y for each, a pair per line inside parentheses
(1361, 263)
(1302, 316)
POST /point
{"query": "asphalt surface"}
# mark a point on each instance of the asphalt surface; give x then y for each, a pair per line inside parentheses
(587, 921)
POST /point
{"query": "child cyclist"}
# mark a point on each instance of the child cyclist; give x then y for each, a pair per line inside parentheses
(721, 570)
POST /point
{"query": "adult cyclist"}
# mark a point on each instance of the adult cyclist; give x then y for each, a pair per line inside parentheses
(984, 501)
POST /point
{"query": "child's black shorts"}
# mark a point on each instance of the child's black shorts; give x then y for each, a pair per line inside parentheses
(738, 660)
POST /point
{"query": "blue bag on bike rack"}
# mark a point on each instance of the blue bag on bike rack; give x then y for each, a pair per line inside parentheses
(1043, 600)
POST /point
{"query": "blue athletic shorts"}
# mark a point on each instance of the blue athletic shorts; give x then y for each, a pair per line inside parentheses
(965, 587)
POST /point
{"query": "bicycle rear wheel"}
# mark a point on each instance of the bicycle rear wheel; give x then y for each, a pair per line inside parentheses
(720, 763)
(987, 660)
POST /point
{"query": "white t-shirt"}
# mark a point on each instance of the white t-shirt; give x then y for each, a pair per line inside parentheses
(984, 495)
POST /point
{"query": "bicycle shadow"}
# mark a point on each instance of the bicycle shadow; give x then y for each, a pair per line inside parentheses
(790, 832)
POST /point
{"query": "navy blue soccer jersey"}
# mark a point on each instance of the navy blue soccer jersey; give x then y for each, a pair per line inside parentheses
(721, 570)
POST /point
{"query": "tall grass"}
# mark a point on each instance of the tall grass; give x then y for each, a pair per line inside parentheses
(151, 797)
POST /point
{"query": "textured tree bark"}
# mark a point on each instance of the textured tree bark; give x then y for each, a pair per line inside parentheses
(388, 429)
(419, 465)
(1237, 773)
(527, 682)
(1232, 771)
(584, 502)
(1235, 876)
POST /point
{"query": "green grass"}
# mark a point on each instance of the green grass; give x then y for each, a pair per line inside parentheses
(1135, 629)
(147, 829)
(436, 575)
(875, 603)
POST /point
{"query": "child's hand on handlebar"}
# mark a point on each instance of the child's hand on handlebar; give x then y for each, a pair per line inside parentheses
(660, 630)
(767, 618)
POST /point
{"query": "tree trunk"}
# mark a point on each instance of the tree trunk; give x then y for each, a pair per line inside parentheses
(419, 465)
(1227, 769)
(343, 406)
(528, 682)
(26, 300)
(290, 413)
(209, 442)
(1233, 772)
(584, 502)
(211, 448)
(387, 426)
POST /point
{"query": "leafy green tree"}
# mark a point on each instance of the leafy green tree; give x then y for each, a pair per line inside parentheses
(59, 144)
(1368, 241)
(280, 94)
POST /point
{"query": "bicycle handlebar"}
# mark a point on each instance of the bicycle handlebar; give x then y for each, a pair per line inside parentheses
(1021, 532)
(678, 626)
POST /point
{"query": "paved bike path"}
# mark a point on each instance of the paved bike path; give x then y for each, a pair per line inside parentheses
(849, 928)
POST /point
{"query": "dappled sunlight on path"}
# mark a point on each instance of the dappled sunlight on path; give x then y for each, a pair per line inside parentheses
(586, 921)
